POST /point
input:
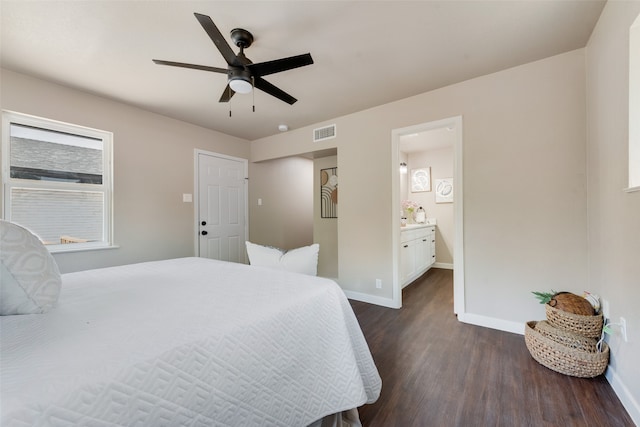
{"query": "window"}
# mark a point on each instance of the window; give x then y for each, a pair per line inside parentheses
(57, 181)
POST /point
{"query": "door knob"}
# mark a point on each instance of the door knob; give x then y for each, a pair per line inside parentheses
(204, 223)
(204, 232)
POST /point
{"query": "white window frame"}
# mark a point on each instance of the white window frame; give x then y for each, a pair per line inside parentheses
(634, 106)
(9, 117)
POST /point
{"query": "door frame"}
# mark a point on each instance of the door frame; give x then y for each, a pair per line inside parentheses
(196, 194)
(458, 211)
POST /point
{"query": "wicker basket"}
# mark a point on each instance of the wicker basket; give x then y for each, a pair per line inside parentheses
(562, 358)
(587, 326)
(568, 339)
(566, 301)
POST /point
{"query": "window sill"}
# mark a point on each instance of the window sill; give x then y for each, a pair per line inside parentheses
(58, 249)
(631, 189)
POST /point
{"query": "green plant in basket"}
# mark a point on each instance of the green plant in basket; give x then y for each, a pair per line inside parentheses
(544, 297)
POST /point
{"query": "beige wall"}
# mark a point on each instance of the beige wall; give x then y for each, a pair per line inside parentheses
(441, 163)
(325, 230)
(614, 216)
(524, 188)
(153, 167)
(285, 218)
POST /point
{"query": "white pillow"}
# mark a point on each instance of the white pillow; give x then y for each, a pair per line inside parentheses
(29, 277)
(301, 260)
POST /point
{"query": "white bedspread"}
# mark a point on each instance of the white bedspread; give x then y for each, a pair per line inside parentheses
(186, 342)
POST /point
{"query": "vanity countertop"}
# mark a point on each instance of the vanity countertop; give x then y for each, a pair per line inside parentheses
(430, 222)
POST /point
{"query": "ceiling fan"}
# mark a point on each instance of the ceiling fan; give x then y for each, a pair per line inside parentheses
(242, 74)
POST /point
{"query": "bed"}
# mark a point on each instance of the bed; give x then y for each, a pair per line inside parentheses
(186, 342)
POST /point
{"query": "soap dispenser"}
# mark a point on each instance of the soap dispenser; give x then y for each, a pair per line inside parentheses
(421, 216)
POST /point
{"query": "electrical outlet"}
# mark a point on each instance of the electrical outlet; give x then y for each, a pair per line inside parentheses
(378, 284)
(623, 328)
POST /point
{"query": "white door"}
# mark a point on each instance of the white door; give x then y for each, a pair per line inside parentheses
(221, 207)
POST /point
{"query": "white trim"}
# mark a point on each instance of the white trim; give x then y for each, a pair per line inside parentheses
(634, 105)
(64, 250)
(443, 265)
(459, 304)
(196, 194)
(492, 322)
(458, 251)
(396, 283)
(626, 397)
(631, 189)
(371, 299)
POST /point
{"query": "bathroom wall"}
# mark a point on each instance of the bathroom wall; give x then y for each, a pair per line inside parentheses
(404, 189)
(441, 163)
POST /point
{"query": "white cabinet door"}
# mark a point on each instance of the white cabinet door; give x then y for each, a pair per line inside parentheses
(417, 253)
(407, 261)
(423, 252)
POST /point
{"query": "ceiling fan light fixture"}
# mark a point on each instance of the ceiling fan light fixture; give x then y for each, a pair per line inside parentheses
(240, 85)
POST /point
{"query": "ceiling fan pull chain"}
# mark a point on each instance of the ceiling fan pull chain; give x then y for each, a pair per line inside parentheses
(253, 93)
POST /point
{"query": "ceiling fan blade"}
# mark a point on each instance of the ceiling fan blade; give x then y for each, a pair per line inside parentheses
(217, 38)
(227, 94)
(271, 67)
(267, 87)
(193, 66)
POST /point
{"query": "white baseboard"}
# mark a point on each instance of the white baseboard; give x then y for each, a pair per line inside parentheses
(626, 398)
(492, 322)
(445, 265)
(371, 299)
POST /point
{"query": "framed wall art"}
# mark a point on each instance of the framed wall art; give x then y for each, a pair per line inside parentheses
(420, 180)
(329, 193)
(444, 190)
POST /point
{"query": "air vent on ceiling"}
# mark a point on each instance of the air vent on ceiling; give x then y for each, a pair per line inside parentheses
(326, 132)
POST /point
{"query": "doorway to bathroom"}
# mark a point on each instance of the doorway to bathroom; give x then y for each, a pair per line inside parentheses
(431, 155)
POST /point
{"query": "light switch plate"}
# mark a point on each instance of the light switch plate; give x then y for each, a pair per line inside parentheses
(187, 198)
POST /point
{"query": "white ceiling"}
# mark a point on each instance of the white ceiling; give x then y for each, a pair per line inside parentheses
(366, 53)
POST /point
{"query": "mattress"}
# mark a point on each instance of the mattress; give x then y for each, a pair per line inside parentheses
(186, 342)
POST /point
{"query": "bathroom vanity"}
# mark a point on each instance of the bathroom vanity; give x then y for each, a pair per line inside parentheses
(417, 250)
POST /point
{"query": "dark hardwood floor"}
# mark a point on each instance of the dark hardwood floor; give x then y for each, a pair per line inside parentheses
(437, 371)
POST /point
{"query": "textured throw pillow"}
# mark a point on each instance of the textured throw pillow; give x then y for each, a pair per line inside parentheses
(29, 277)
(300, 260)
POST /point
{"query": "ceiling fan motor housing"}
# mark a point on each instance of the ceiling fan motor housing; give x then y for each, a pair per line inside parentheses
(239, 73)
